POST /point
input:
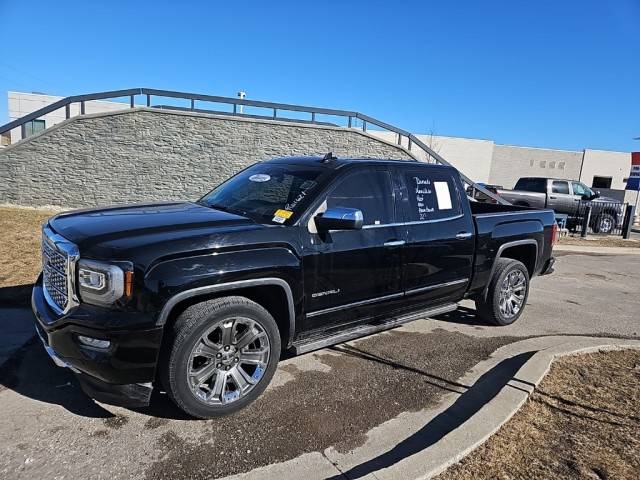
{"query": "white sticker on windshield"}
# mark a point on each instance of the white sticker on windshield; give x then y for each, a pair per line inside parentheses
(443, 195)
(260, 177)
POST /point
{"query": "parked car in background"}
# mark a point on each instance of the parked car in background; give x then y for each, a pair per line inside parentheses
(200, 298)
(567, 197)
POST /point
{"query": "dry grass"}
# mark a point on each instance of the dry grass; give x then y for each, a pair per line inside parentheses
(20, 246)
(583, 422)
(597, 241)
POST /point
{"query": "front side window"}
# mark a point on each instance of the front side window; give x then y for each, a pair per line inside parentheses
(433, 195)
(369, 191)
(581, 189)
(267, 192)
(560, 187)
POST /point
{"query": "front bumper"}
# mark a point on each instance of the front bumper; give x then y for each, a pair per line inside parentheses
(121, 374)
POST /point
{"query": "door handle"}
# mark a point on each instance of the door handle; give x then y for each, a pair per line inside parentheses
(394, 243)
(553, 198)
(464, 235)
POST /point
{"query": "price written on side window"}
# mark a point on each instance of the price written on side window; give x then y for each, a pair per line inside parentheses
(424, 197)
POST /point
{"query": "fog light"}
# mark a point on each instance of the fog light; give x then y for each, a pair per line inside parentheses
(94, 342)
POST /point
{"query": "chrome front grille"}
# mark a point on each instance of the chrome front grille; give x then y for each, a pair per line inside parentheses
(58, 265)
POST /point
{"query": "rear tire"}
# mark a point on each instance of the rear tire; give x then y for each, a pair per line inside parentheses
(507, 293)
(221, 354)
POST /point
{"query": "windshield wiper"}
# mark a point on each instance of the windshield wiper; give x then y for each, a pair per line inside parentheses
(223, 208)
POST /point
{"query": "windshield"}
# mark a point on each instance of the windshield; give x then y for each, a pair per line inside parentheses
(266, 192)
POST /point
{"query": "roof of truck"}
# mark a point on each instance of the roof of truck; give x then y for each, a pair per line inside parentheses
(332, 161)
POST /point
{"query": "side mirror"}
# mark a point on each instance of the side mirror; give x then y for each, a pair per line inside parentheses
(587, 197)
(597, 194)
(339, 218)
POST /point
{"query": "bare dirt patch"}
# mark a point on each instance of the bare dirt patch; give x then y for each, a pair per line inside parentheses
(582, 422)
(599, 241)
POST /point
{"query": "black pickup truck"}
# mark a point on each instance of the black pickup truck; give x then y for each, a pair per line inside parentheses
(200, 298)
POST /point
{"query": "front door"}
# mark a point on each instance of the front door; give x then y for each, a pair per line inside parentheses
(353, 275)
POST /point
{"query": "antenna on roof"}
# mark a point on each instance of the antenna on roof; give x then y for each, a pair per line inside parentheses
(329, 157)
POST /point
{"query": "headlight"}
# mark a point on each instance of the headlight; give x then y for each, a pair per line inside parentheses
(102, 283)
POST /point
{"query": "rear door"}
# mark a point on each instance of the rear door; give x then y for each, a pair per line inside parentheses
(438, 256)
(353, 274)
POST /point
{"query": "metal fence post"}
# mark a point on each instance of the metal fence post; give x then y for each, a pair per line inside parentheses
(67, 111)
(82, 108)
(586, 219)
(629, 215)
(148, 100)
(132, 101)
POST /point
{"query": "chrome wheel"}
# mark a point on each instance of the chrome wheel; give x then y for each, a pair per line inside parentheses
(512, 294)
(228, 361)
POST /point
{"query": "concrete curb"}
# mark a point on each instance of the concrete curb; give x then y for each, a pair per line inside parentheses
(598, 250)
(419, 445)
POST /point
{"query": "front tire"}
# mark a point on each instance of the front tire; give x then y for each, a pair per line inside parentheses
(221, 355)
(507, 293)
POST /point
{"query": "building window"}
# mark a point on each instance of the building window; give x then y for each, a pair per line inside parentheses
(552, 164)
(33, 127)
(601, 182)
(543, 164)
(561, 165)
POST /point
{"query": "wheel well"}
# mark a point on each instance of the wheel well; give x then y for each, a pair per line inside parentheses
(271, 297)
(523, 253)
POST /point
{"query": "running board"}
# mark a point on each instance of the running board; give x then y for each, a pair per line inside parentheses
(364, 330)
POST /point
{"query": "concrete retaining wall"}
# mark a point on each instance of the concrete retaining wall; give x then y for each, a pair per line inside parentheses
(144, 154)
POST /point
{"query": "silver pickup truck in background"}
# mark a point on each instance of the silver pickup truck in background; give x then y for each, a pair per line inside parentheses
(566, 197)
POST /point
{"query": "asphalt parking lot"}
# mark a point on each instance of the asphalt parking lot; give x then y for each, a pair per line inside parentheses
(332, 397)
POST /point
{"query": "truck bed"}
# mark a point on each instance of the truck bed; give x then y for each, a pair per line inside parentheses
(499, 224)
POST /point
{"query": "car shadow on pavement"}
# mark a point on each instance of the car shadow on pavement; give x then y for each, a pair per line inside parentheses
(467, 405)
(462, 315)
(31, 373)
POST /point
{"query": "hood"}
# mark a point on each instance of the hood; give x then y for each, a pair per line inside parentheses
(105, 232)
(603, 199)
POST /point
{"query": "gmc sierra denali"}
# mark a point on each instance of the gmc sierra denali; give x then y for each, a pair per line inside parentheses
(199, 299)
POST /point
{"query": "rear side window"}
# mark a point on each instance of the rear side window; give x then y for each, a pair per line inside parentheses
(369, 191)
(560, 187)
(531, 185)
(433, 195)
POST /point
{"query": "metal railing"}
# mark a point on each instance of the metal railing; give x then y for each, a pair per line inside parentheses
(600, 218)
(275, 112)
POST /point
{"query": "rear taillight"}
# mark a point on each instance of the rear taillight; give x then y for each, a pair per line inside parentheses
(554, 233)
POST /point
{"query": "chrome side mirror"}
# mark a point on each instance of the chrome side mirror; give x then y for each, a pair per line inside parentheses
(339, 218)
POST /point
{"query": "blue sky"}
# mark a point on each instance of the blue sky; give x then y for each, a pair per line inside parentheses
(559, 74)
